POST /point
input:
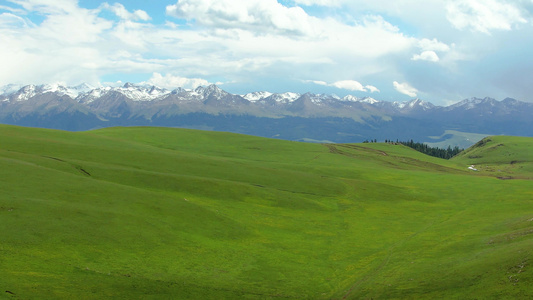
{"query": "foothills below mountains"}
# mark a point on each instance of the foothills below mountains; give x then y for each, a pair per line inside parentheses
(291, 116)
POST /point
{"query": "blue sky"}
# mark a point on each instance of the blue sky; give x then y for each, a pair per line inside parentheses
(442, 51)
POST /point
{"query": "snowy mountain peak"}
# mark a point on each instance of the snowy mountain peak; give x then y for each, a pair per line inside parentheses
(85, 93)
(474, 102)
(415, 103)
(317, 98)
(62, 90)
(25, 93)
(369, 100)
(350, 98)
(420, 103)
(287, 97)
(211, 90)
(141, 92)
(511, 102)
(256, 96)
(83, 86)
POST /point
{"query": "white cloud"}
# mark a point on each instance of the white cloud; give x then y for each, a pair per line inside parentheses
(241, 40)
(13, 10)
(229, 39)
(47, 6)
(350, 85)
(60, 48)
(372, 89)
(267, 24)
(328, 3)
(170, 81)
(252, 40)
(71, 44)
(260, 16)
(427, 56)
(8, 20)
(121, 12)
(433, 45)
(405, 89)
(319, 82)
(429, 50)
(484, 15)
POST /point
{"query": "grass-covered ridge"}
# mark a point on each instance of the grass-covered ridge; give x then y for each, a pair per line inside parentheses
(502, 156)
(182, 214)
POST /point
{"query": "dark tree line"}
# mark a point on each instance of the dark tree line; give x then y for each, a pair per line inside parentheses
(433, 151)
(424, 148)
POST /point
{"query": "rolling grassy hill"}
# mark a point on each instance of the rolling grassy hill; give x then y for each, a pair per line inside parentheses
(151, 213)
(502, 156)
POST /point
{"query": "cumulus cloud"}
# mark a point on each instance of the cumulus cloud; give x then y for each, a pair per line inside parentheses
(247, 37)
(372, 89)
(405, 89)
(58, 49)
(433, 45)
(350, 85)
(484, 15)
(11, 9)
(277, 41)
(71, 44)
(47, 6)
(329, 3)
(170, 81)
(225, 39)
(429, 50)
(261, 16)
(267, 24)
(427, 56)
(8, 20)
(121, 12)
(319, 82)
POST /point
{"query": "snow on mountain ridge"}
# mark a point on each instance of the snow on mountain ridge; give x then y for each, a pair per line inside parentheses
(25, 93)
(473, 102)
(141, 92)
(351, 98)
(369, 100)
(286, 97)
(61, 89)
(256, 96)
(411, 104)
(144, 92)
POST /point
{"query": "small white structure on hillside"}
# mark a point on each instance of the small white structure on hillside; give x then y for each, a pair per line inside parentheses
(473, 168)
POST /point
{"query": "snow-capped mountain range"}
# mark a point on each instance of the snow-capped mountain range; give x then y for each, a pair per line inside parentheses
(85, 93)
(263, 113)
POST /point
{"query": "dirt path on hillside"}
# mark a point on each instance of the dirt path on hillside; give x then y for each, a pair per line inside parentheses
(337, 149)
(77, 167)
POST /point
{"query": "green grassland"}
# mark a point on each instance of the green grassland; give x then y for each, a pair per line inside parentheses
(161, 213)
(501, 156)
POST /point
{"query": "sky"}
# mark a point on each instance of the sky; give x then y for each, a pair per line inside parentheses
(441, 51)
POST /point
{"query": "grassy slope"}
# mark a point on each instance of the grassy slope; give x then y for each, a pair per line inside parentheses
(502, 156)
(166, 213)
